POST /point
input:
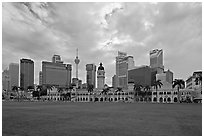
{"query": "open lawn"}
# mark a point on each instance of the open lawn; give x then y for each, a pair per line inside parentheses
(109, 119)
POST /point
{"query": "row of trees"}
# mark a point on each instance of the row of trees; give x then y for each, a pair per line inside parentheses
(157, 84)
(42, 90)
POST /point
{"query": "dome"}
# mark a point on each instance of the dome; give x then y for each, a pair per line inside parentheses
(100, 67)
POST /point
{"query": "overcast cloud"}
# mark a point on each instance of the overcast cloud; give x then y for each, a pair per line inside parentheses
(99, 30)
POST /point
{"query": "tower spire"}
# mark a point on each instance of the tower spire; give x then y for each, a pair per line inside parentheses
(77, 62)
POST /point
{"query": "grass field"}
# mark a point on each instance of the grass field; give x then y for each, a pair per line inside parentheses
(100, 119)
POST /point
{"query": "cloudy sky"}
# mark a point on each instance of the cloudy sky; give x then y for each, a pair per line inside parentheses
(99, 30)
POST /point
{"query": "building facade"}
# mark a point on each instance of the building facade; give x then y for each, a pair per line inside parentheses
(156, 63)
(112, 96)
(40, 78)
(123, 63)
(191, 83)
(6, 80)
(156, 60)
(56, 74)
(91, 75)
(26, 73)
(140, 75)
(56, 59)
(114, 81)
(14, 74)
(195, 86)
(100, 77)
(165, 76)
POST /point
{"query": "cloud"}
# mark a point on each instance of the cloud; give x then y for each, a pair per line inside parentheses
(99, 30)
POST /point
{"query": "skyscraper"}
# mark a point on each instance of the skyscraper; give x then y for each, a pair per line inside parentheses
(156, 60)
(166, 76)
(100, 77)
(156, 63)
(6, 80)
(26, 73)
(14, 74)
(123, 63)
(56, 59)
(56, 73)
(140, 75)
(114, 81)
(91, 74)
(40, 78)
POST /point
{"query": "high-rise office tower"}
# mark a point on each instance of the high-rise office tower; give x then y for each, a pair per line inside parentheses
(40, 78)
(56, 73)
(156, 63)
(114, 81)
(140, 75)
(14, 74)
(6, 80)
(100, 77)
(156, 60)
(166, 76)
(26, 73)
(123, 64)
(91, 74)
(56, 59)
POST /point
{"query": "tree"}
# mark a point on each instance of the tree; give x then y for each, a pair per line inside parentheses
(119, 89)
(90, 88)
(30, 88)
(49, 88)
(35, 93)
(15, 89)
(60, 90)
(22, 92)
(137, 89)
(39, 89)
(147, 89)
(179, 83)
(105, 91)
(157, 84)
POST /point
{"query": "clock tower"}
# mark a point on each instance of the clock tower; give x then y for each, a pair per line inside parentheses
(100, 77)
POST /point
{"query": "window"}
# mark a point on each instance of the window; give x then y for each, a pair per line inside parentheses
(168, 92)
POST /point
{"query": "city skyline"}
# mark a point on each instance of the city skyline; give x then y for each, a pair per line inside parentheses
(40, 30)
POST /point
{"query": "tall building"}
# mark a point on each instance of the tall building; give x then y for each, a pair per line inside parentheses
(100, 77)
(40, 78)
(114, 81)
(91, 74)
(156, 60)
(56, 59)
(80, 84)
(14, 74)
(123, 63)
(156, 63)
(166, 76)
(190, 82)
(6, 80)
(56, 73)
(140, 75)
(26, 73)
